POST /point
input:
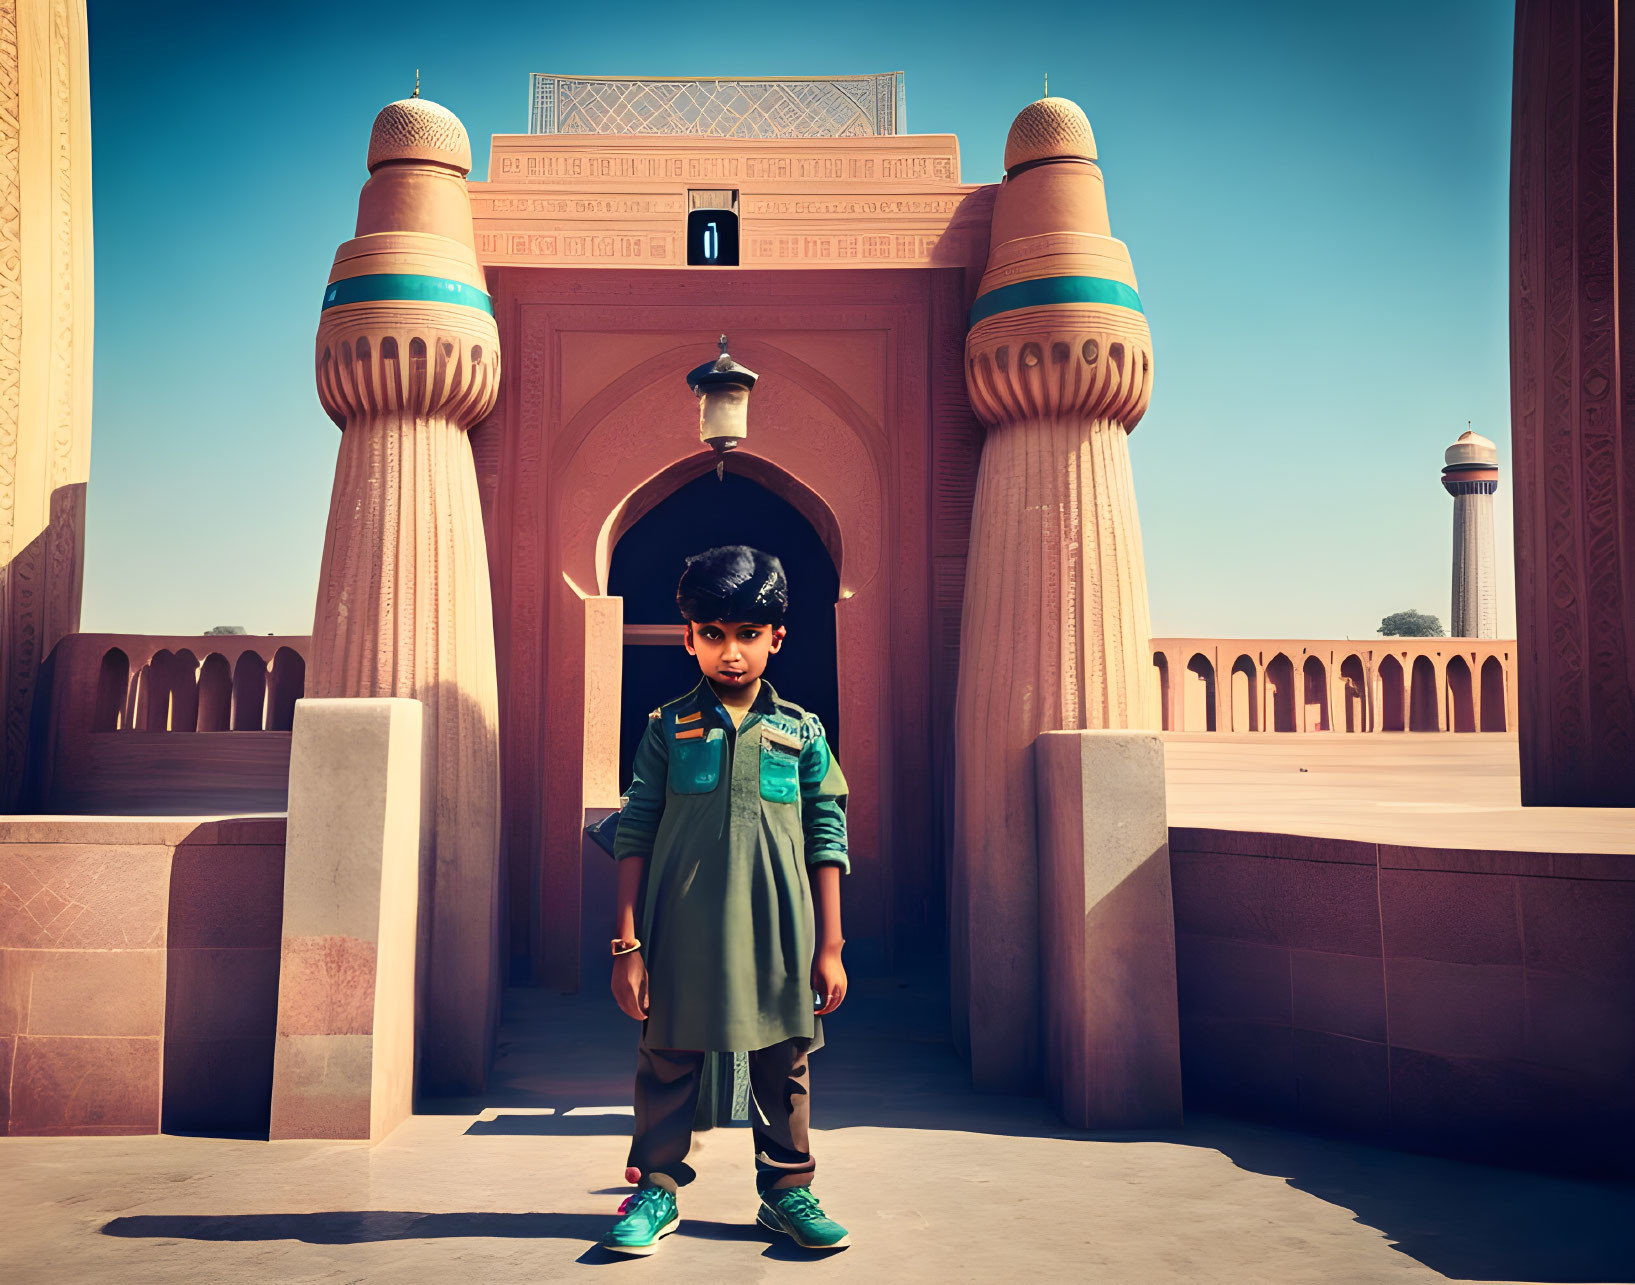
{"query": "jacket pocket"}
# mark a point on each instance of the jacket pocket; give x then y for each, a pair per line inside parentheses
(695, 765)
(780, 774)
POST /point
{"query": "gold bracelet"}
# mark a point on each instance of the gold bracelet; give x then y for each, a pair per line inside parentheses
(623, 947)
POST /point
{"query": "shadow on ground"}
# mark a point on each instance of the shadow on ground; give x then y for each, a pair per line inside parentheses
(1466, 1221)
(553, 1126)
(373, 1226)
(358, 1227)
(888, 1064)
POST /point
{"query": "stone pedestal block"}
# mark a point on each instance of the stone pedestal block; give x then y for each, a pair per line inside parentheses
(345, 1053)
(1112, 1047)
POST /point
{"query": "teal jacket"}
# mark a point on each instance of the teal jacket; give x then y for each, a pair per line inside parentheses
(729, 820)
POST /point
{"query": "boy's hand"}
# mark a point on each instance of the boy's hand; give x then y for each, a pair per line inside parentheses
(630, 984)
(829, 979)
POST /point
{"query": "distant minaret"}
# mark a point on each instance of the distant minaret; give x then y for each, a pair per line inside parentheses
(1471, 477)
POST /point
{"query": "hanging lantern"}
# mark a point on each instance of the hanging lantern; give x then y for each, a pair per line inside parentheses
(723, 388)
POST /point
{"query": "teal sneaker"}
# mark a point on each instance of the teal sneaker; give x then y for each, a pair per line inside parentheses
(796, 1213)
(649, 1216)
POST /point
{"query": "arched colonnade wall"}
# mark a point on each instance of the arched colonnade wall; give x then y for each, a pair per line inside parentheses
(1336, 685)
(145, 723)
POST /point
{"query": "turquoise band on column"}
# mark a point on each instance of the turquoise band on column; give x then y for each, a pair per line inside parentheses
(404, 287)
(1045, 290)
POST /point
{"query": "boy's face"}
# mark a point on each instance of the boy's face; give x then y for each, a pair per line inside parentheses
(732, 653)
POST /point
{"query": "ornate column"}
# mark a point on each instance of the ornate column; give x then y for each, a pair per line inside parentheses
(1055, 632)
(407, 361)
(1572, 390)
(45, 349)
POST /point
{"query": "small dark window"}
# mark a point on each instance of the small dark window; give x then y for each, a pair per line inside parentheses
(712, 238)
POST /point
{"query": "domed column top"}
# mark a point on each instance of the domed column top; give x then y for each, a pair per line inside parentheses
(407, 323)
(1471, 466)
(419, 156)
(417, 129)
(1057, 328)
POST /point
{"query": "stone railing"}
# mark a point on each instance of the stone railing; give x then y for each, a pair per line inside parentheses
(150, 723)
(1336, 685)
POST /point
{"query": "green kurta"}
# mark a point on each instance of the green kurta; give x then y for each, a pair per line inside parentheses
(729, 820)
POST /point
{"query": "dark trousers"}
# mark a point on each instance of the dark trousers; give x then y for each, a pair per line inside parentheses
(667, 1083)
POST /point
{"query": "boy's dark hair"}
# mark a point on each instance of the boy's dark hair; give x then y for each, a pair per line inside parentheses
(733, 582)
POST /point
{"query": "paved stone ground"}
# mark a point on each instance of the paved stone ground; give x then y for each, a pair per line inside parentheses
(936, 1183)
(1447, 790)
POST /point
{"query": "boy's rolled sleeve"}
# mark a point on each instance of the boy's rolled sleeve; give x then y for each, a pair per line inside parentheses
(822, 801)
(644, 800)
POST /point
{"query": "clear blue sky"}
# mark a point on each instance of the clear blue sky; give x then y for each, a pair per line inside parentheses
(1314, 197)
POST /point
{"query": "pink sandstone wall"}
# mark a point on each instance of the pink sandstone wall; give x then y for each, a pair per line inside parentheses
(138, 974)
(1470, 1003)
(1336, 685)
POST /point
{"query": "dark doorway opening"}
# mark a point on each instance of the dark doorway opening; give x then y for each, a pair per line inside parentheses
(648, 560)
(1393, 714)
(1198, 709)
(1422, 696)
(1245, 696)
(1461, 711)
(1356, 694)
(1280, 676)
(1492, 695)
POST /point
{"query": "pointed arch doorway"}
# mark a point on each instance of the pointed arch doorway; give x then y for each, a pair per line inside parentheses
(683, 511)
(648, 560)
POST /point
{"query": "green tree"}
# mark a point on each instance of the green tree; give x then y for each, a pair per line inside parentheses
(1411, 624)
(239, 629)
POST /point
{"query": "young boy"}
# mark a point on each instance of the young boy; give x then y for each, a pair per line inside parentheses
(732, 820)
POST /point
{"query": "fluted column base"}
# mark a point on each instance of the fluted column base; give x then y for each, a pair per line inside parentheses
(404, 609)
(1056, 635)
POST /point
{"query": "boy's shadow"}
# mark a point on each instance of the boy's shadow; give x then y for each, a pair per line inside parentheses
(366, 1226)
(357, 1226)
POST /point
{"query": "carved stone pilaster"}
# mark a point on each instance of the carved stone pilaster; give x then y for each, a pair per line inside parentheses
(45, 349)
(1572, 346)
